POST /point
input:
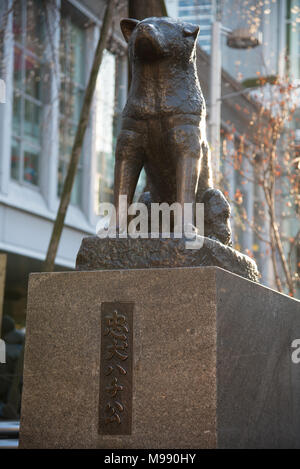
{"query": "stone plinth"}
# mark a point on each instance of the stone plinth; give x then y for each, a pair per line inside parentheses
(207, 363)
(145, 253)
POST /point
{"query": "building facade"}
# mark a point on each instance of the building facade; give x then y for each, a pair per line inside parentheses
(47, 50)
(276, 56)
(46, 54)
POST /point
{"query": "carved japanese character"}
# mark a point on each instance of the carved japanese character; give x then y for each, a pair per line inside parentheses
(111, 368)
(116, 326)
(114, 387)
(113, 410)
(115, 350)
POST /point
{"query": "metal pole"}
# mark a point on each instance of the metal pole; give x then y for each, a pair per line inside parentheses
(215, 98)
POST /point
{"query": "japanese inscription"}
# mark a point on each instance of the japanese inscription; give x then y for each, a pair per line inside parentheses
(115, 401)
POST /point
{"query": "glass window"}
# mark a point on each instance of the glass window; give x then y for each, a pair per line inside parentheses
(204, 41)
(105, 138)
(35, 27)
(15, 158)
(31, 157)
(293, 38)
(194, 3)
(71, 98)
(29, 31)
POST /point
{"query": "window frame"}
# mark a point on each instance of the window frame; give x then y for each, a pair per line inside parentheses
(44, 199)
(21, 93)
(69, 121)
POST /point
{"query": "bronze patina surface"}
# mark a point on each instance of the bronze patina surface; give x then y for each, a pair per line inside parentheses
(127, 253)
(164, 132)
(163, 127)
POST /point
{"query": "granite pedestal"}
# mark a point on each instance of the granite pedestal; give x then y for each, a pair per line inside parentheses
(206, 361)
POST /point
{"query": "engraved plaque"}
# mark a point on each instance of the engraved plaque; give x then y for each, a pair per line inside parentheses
(115, 400)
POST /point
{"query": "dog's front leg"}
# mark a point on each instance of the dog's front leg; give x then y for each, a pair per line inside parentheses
(128, 165)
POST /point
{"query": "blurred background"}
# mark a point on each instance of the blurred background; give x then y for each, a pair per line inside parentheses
(248, 59)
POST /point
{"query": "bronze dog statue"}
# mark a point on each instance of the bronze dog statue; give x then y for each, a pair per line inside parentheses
(163, 127)
(163, 131)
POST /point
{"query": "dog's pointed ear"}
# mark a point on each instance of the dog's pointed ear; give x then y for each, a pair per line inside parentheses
(127, 27)
(191, 30)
